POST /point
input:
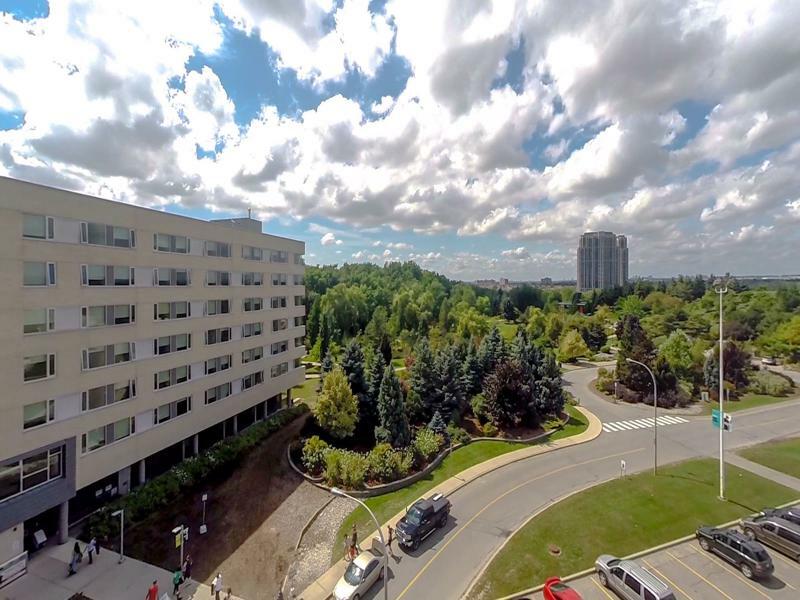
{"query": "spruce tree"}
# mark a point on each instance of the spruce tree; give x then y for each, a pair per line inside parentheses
(423, 377)
(375, 376)
(393, 427)
(353, 367)
(325, 333)
(437, 424)
(471, 372)
(509, 312)
(450, 384)
(491, 351)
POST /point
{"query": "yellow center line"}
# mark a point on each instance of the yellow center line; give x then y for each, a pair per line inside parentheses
(699, 575)
(601, 588)
(672, 583)
(730, 570)
(500, 497)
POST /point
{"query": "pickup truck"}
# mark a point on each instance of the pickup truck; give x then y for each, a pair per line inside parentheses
(424, 516)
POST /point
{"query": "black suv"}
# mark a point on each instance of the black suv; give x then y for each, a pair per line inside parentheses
(748, 556)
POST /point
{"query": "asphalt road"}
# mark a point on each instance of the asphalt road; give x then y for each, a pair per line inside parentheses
(488, 510)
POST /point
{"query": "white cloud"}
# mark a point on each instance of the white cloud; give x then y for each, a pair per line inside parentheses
(382, 107)
(328, 239)
(794, 209)
(399, 246)
(520, 253)
(387, 253)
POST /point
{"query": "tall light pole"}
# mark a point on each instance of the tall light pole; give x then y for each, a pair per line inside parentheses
(721, 288)
(337, 492)
(655, 413)
(121, 514)
(181, 531)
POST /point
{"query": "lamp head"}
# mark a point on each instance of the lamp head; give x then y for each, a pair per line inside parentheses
(177, 529)
(116, 513)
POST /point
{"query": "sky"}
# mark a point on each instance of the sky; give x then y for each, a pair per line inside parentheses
(478, 138)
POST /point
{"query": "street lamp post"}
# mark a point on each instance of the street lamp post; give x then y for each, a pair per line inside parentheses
(655, 413)
(121, 514)
(721, 288)
(337, 492)
(181, 530)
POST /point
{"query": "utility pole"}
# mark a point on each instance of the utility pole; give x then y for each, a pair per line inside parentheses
(721, 289)
(655, 413)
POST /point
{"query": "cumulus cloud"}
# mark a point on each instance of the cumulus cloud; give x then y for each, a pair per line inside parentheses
(329, 239)
(521, 253)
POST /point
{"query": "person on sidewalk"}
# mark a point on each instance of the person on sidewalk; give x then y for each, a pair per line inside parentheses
(389, 542)
(354, 549)
(91, 548)
(152, 592)
(216, 586)
(76, 558)
(187, 567)
(347, 550)
(177, 579)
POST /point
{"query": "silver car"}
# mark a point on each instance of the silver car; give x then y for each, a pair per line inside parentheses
(774, 531)
(361, 574)
(630, 580)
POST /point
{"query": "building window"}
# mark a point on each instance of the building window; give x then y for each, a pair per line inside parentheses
(280, 324)
(112, 314)
(297, 279)
(171, 243)
(278, 370)
(299, 341)
(38, 413)
(94, 275)
(252, 380)
(39, 320)
(172, 410)
(252, 278)
(39, 366)
(252, 354)
(217, 249)
(106, 395)
(172, 310)
(164, 277)
(102, 436)
(298, 362)
(298, 259)
(220, 363)
(170, 377)
(218, 393)
(218, 278)
(218, 307)
(278, 302)
(23, 475)
(107, 235)
(37, 227)
(279, 347)
(172, 343)
(279, 256)
(251, 329)
(38, 274)
(279, 278)
(252, 304)
(111, 354)
(252, 253)
(218, 336)
(299, 300)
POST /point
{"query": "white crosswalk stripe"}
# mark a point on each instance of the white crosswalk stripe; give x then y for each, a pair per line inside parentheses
(630, 424)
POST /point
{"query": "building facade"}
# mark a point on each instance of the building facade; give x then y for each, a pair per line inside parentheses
(131, 339)
(602, 260)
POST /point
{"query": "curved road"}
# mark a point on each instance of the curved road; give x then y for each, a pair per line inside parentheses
(488, 510)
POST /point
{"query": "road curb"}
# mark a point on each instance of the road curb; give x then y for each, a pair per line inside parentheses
(634, 556)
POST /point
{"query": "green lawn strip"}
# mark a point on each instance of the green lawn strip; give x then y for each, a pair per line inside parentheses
(388, 505)
(748, 400)
(782, 456)
(307, 391)
(622, 517)
(508, 329)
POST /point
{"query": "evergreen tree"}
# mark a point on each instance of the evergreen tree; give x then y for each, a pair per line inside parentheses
(471, 372)
(634, 343)
(325, 333)
(327, 365)
(422, 381)
(491, 351)
(507, 394)
(393, 427)
(450, 384)
(385, 347)
(353, 367)
(509, 312)
(313, 323)
(548, 389)
(375, 376)
(437, 424)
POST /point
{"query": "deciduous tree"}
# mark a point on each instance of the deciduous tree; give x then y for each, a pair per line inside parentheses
(336, 410)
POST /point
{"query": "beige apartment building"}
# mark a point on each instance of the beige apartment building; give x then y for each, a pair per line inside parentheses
(130, 339)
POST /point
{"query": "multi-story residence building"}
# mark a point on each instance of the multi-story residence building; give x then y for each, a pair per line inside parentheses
(602, 260)
(131, 339)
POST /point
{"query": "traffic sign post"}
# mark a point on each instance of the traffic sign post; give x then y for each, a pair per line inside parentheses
(727, 420)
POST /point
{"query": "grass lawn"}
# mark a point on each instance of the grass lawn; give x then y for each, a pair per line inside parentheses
(307, 391)
(401, 362)
(748, 400)
(388, 505)
(781, 456)
(622, 517)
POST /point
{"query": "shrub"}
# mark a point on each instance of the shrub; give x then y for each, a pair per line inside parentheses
(346, 468)
(427, 444)
(479, 409)
(605, 380)
(769, 383)
(489, 429)
(457, 435)
(571, 399)
(314, 451)
(387, 464)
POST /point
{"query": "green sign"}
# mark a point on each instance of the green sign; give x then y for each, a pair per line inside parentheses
(715, 417)
(727, 420)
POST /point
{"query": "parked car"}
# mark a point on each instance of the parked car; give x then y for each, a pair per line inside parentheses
(361, 574)
(791, 513)
(748, 556)
(630, 580)
(769, 360)
(421, 520)
(554, 589)
(778, 533)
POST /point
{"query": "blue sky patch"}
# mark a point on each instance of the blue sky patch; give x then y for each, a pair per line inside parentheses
(696, 115)
(25, 10)
(11, 119)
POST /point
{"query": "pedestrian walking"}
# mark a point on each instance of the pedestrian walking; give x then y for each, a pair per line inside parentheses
(187, 567)
(91, 548)
(152, 592)
(216, 586)
(389, 543)
(177, 579)
(354, 542)
(76, 558)
(346, 547)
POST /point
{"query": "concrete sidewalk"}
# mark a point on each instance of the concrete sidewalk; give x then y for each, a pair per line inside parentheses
(322, 588)
(765, 472)
(105, 579)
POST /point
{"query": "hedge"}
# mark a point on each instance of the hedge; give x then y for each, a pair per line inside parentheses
(164, 489)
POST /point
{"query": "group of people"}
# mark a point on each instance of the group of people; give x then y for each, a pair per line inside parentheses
(183, 574)
(77, 555)
(351, 547)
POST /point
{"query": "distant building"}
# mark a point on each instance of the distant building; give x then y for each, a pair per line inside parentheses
(547, 281)
(602, 260)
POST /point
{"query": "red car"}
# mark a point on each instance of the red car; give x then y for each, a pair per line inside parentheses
(555, 590)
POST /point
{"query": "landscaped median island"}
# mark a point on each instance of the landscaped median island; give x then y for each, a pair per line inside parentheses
(781, 455)
(622, 517)
(386, 506)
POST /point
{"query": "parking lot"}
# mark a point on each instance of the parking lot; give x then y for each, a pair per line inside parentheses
(694, 574)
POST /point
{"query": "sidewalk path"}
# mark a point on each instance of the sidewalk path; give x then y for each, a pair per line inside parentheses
(323, 587)
(106, 579)
(765, 472)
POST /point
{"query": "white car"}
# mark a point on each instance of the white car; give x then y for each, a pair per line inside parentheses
(769, 360)
(361, 574)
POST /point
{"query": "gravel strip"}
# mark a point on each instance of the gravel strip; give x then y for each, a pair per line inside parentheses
(313, 557)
